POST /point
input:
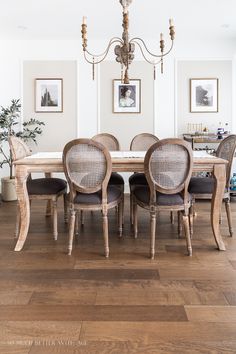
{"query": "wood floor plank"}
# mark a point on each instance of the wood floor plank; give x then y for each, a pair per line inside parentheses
(64, 297)
(26, 332)
(95, 313)
(15, 297)
(149, 332)
(12, 348)
(231, 297)
(87, 274)
(159, 297)
(128, 347)
(211, 313)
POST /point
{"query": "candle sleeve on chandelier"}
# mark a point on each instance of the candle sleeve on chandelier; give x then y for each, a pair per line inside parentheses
(84, 20)
(171, 22)
(161, 37)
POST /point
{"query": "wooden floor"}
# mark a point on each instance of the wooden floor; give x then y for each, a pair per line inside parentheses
(53, 303)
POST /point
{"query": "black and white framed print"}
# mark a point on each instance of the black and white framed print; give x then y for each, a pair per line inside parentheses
(203, 95)
(48, 95)
(127, 97)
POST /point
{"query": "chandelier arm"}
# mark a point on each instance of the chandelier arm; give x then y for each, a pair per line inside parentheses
(104, 54)
(135, 39)
(144, 56)
(112, 41)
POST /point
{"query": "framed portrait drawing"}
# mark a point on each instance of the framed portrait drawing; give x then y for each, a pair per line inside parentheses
(48, 95)
(127, 97)
(203, 95)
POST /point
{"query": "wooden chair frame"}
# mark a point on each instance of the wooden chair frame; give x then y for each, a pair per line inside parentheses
(104, 206)
(132, 148)
(20, 150)
(154, 187)
(226, 197)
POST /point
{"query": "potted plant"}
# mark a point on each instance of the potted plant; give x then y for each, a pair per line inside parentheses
(10, 125)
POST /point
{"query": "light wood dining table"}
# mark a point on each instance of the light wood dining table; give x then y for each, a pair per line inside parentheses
(122, 161)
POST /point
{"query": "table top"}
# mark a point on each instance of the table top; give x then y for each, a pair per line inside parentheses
(199, 157)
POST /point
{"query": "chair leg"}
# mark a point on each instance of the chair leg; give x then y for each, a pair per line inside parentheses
(71, 231)
(153, 234)
(135, 216)
(105, 232)
(172, 217)
(82, 217)
(49, 208)
(229, 216)
(187, 234)
(191, 221)
(77, 223)
(120, 216)
(65, 208)
(55, 232)
(131, 208)
(193, 208)
(179, 224)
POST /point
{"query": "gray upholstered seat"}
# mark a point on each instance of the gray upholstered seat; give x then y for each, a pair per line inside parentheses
(48, 186)
(202, 185)
(116, 179)
(113, 193)
(138, 179)
(142, 193)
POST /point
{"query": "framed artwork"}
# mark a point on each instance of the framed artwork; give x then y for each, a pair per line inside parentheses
(127, 97)
(48, 95)
(203, 95)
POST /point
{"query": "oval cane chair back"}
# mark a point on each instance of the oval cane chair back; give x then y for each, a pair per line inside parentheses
(226, 150)
(18, 148)
(87, 165)
(108, 140)
(142, 142)
(168, 166)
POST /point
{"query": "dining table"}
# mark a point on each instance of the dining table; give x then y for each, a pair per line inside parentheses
(122, 161)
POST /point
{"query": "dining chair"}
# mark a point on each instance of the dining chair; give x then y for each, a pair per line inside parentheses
(87, 166)
(141, 142)
(48, 188)
(112, 144)
(168, 167)
(202, 187)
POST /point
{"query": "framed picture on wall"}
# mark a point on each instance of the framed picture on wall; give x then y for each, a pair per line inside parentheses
(203, 95)
(48, 95)
(127, 97)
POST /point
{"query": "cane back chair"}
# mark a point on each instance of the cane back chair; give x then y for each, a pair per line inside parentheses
(202, 187)
(168, 168)
(48, 188)
(141, 142)
(112, 144)
(87, 165)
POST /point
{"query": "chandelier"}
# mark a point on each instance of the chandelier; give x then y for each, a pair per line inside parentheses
(125, 47)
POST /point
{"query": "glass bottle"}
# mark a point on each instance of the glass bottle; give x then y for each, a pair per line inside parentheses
(233, 182)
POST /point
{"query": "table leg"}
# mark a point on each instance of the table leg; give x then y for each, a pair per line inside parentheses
(49, 207)
(216, 203)
(24, 206)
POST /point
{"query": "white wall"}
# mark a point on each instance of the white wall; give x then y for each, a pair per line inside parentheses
(13, 54)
